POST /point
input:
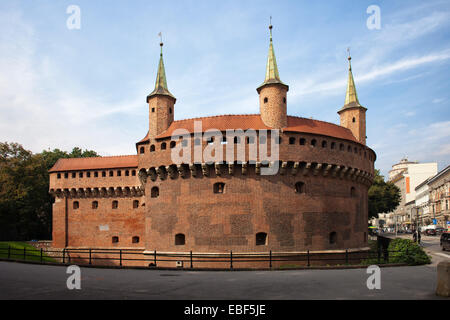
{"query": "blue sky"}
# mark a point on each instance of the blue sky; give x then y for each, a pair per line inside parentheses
(61, 88)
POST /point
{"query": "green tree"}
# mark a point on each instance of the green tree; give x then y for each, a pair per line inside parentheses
(383, 196)
(25, 204)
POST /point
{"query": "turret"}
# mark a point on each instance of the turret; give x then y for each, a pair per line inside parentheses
(160, 102)
(272, 94)
(352, 114)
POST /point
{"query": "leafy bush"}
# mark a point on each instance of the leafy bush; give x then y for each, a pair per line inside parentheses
(407, 251)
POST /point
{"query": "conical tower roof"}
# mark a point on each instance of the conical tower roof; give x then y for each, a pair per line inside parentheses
(272, 75)
(351, 97)
(161, 81)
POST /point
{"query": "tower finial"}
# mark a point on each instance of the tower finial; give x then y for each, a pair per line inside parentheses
(349, 59)
(161, 42)
(270, 28)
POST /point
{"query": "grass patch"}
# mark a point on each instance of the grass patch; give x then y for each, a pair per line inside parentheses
(17, 250)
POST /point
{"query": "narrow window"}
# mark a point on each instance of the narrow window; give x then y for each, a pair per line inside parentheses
(142, 150)
(76, 204)
(66, 175)
(313, 142)
(172, 144)
(74, 174)
(155, 192)
(333, 145)
(152, 148)
(115, 239)
(133, 173)
(349, 149)
(153, 109)
(300, 187)
(302, 141)
(111, 173)
(88, 174)
(261, 239)
(115, 204)
(219, 187)
(163, 146)
(58, 175)
(352, 192)
(284, 100)
(266, 100)
(127, 173)
(324, 144)
(103, 173)
(291, 140)
(278, 141)
(170, 110)
(180, 239)
(119, 173)
(135, 239)
(356, 150)
(135, 204)
(341, 147)
(333, 237)
(353, 120)
(94, 204)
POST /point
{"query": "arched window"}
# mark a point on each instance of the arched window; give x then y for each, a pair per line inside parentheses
(141, 150)
(76, 204)
(80, 175)
(163, 146)
(313, 142)
(356, 150)
(291, 140)
(133, 173)
(302, 141)
(135, 204)
(152, 148)
(219, 187)
(111, 173)
(59, 175)
(115, 204)
(349, 149)
(333, 237)
(353, 120)
(261, 239)
(341, 147)
(180, 239)
(172, 144)
(324, 144)
(74, 174)
(266, 100)
(119, 173)
(352, 192)
(155, 192)
(103, 173)
(127, 173)
(333, 145)
(66, 175)
(115, 239)
(94, 205)
(300, 187)
(135, 239)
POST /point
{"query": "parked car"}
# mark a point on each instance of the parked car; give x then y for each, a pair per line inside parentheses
(445, 241)
(430, 232)
(440, 230)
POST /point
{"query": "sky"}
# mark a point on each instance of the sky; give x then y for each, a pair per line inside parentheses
(63, 87)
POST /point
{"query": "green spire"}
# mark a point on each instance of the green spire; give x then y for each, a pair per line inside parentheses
(351, 98)
(272, 75)
(161, 81)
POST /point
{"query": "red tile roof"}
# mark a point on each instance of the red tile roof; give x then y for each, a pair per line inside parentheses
(254, 121)
(94, 163)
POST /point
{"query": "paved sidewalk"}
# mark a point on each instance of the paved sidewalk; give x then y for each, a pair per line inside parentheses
(30, 281)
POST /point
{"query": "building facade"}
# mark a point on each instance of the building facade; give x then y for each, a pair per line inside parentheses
(439, 189)
(407, 175)
(316, 200)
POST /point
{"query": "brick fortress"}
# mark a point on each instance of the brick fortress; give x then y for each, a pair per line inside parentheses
(317, 200)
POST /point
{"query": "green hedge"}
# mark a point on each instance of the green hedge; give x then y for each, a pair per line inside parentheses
(407, 251)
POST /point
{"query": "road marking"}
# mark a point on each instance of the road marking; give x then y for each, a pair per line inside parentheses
(440, 254)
